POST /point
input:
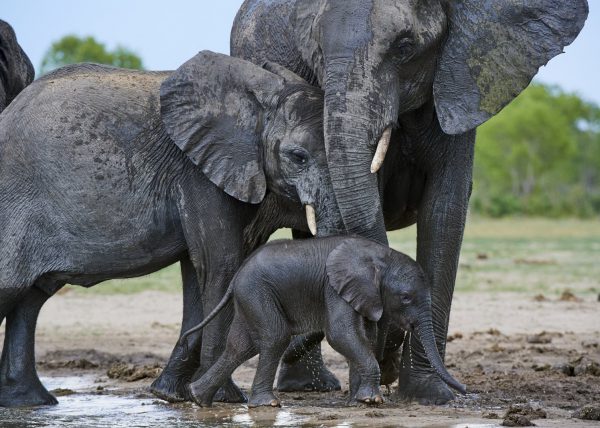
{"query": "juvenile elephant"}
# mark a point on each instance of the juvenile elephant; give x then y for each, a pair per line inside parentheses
(16, 71)
(111, 173)
(351, 288)
(413, 79)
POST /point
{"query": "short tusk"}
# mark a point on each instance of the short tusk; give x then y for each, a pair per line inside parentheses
(311, 219)
(382, 148)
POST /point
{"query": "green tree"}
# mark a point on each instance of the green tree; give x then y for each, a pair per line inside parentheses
(72, 49)
(540, 156)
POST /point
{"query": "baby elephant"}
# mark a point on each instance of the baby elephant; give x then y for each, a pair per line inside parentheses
(352, 288)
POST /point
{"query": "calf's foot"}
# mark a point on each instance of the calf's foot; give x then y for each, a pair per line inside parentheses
(266, 399)
(368, 395)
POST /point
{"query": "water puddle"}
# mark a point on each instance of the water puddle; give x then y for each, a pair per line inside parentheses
(85, 408)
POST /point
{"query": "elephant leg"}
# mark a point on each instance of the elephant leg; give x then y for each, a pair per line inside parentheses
(214, 234)
(346, 337)
(302, 366)
(440, 226)
(183, 363)
(20, 385)
(239, 349)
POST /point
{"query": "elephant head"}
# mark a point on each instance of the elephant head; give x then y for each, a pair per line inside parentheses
(251, 130)
(379, 59)
(389, 288)
(16, 71)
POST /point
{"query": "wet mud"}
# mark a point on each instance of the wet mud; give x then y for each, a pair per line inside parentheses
(535, 363)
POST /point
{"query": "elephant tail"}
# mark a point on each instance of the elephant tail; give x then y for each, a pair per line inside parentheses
(226, 298)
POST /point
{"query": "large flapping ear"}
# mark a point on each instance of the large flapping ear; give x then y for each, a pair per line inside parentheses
(355, 269)
(493, 51)
(212, 108)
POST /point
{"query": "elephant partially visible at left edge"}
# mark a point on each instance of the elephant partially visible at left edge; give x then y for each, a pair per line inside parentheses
(111, 173)
(16, 71)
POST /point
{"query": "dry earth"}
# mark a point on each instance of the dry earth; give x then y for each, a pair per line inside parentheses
(509, 348)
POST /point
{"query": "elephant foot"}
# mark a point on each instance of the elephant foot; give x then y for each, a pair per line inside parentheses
(22, 395)
(200, 394)
(427, 388)
(170, 388)
(230, 393)
(266, 399)
(305, 375)
(367, 395)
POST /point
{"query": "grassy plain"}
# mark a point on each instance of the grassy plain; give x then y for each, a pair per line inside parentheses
(536, 256)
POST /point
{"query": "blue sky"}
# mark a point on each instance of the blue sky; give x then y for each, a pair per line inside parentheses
(167, 33)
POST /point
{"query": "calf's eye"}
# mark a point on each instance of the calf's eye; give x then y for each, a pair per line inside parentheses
(299, 157)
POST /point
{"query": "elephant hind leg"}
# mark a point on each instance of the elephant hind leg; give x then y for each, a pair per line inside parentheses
(20, 385)
(239, 349)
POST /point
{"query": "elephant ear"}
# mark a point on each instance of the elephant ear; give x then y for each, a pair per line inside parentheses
(493, 51)
(212, 108)
(355, 269)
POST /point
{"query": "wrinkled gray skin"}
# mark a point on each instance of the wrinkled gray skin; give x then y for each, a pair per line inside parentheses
(433, 70)
(16, 71)
(111, 173)
(353, 289)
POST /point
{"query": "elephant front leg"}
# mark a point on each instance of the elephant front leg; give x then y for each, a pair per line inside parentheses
(183, 363)
(440, 226)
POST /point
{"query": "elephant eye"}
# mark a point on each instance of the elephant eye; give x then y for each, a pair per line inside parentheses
(298, 156)
(404, 48)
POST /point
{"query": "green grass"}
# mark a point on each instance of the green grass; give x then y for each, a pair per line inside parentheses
(518, 254)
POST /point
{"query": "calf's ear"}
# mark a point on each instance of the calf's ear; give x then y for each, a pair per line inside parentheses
(354, 270)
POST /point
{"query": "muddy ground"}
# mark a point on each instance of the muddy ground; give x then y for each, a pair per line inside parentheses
(508, 348)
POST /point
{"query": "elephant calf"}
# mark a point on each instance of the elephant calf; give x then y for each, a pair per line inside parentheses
(349, 287)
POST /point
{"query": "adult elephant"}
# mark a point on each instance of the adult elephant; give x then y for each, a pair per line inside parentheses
(111, 173)
(16, 71)
(417, 77)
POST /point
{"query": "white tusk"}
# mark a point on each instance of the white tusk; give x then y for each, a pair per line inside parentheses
(311, 219)
(382, 148)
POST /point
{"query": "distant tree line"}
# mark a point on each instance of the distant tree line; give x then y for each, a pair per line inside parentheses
(72, 49)
(540, 157)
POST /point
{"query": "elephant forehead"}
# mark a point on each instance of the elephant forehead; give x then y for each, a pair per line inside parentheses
(422, 21)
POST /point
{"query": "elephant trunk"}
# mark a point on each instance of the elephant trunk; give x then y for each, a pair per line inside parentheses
(351, 122)
(424, 331)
